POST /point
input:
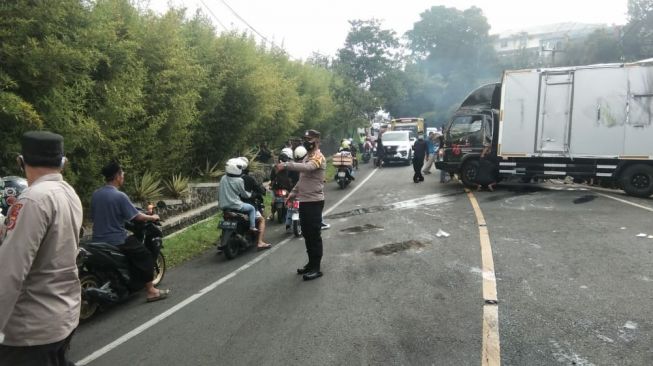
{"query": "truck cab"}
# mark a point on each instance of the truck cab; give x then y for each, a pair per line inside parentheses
(474, 126)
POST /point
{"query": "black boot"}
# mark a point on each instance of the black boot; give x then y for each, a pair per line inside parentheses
(312, 274)
(305, 269)
(314, 270)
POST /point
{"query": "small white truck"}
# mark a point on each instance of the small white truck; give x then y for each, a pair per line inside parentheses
(584, 121)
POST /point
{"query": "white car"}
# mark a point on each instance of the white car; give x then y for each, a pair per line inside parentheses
(397, 146)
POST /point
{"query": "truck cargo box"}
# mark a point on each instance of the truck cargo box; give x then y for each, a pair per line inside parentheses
(596, 111)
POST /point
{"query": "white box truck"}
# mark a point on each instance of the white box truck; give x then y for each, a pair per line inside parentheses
(584, 121)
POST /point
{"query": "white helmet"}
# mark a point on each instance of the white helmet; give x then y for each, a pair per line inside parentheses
(245, 160)
(287, 152)
(234, 166)
(300, 152)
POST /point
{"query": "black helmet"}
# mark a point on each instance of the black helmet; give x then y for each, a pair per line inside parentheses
(10, 188)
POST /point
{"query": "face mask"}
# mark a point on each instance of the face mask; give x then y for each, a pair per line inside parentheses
(309, 145)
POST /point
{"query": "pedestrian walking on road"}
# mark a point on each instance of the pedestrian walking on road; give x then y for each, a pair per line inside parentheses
(309, 190)
(419, 153)
(40, 294)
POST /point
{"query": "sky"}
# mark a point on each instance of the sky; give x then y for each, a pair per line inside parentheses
(306, 26)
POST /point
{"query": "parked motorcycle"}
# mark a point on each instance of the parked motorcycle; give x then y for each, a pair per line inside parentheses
(105, 272)
(293, 217)
(236, 236)
(279, 205)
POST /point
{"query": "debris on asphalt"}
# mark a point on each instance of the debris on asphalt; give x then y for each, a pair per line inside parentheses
(623, 228)
(441, 234)
(642, 235)
(650, 237)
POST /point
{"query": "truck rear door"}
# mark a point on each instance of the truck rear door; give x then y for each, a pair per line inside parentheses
(554, 112)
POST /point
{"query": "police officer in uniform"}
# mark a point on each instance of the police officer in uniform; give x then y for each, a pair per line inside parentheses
(40, 294)
(309, 190)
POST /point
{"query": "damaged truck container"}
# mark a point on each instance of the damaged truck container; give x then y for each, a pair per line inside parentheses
(582, 122)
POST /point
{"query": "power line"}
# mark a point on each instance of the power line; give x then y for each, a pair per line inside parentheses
(213, 15)
(246, 23)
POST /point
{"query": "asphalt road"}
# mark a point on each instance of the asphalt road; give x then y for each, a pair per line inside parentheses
(574, 285)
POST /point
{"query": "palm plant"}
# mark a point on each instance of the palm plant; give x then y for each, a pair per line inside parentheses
(177, 186)
(147, 188)
(209, 171)
(254, 165)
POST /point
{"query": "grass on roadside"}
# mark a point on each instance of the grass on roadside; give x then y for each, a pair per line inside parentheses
(192, 242)
(197, 239)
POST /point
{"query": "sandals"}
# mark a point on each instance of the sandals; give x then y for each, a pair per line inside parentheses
(264, 246)
(162, 295)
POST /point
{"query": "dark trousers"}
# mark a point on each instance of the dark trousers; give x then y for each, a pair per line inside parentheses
(418, 163)
(140, 259)
(310, 218)
(53, 354)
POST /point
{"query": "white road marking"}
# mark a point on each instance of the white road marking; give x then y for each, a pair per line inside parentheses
(350, 193)
(647, 208)
(150, 323)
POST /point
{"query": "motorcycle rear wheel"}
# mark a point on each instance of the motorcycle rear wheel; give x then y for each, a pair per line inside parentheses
(88, 308)
(159, 269)
(296, 228)
(229, 245)
(281, 215)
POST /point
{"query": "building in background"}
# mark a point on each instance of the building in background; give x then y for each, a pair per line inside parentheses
(542, 45)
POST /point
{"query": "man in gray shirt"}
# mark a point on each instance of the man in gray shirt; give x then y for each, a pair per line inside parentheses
(40, 294)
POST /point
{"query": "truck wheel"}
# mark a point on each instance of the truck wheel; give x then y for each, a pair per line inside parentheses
(637, 180)
(469, 172)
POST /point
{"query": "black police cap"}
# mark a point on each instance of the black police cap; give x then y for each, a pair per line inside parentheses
(312, 134)
(42, 148)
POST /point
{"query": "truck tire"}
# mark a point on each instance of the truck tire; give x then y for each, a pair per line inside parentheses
(637, 180)
(468, 172)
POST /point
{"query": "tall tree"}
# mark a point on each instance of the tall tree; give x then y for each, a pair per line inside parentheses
(369, 52)
(638, 33)
(454, 43)
(601, 46)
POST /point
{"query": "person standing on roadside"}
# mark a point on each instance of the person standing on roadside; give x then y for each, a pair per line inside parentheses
(440, 154)
(431, 148)
(419, 153)
(40, 293)
(309, 190)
